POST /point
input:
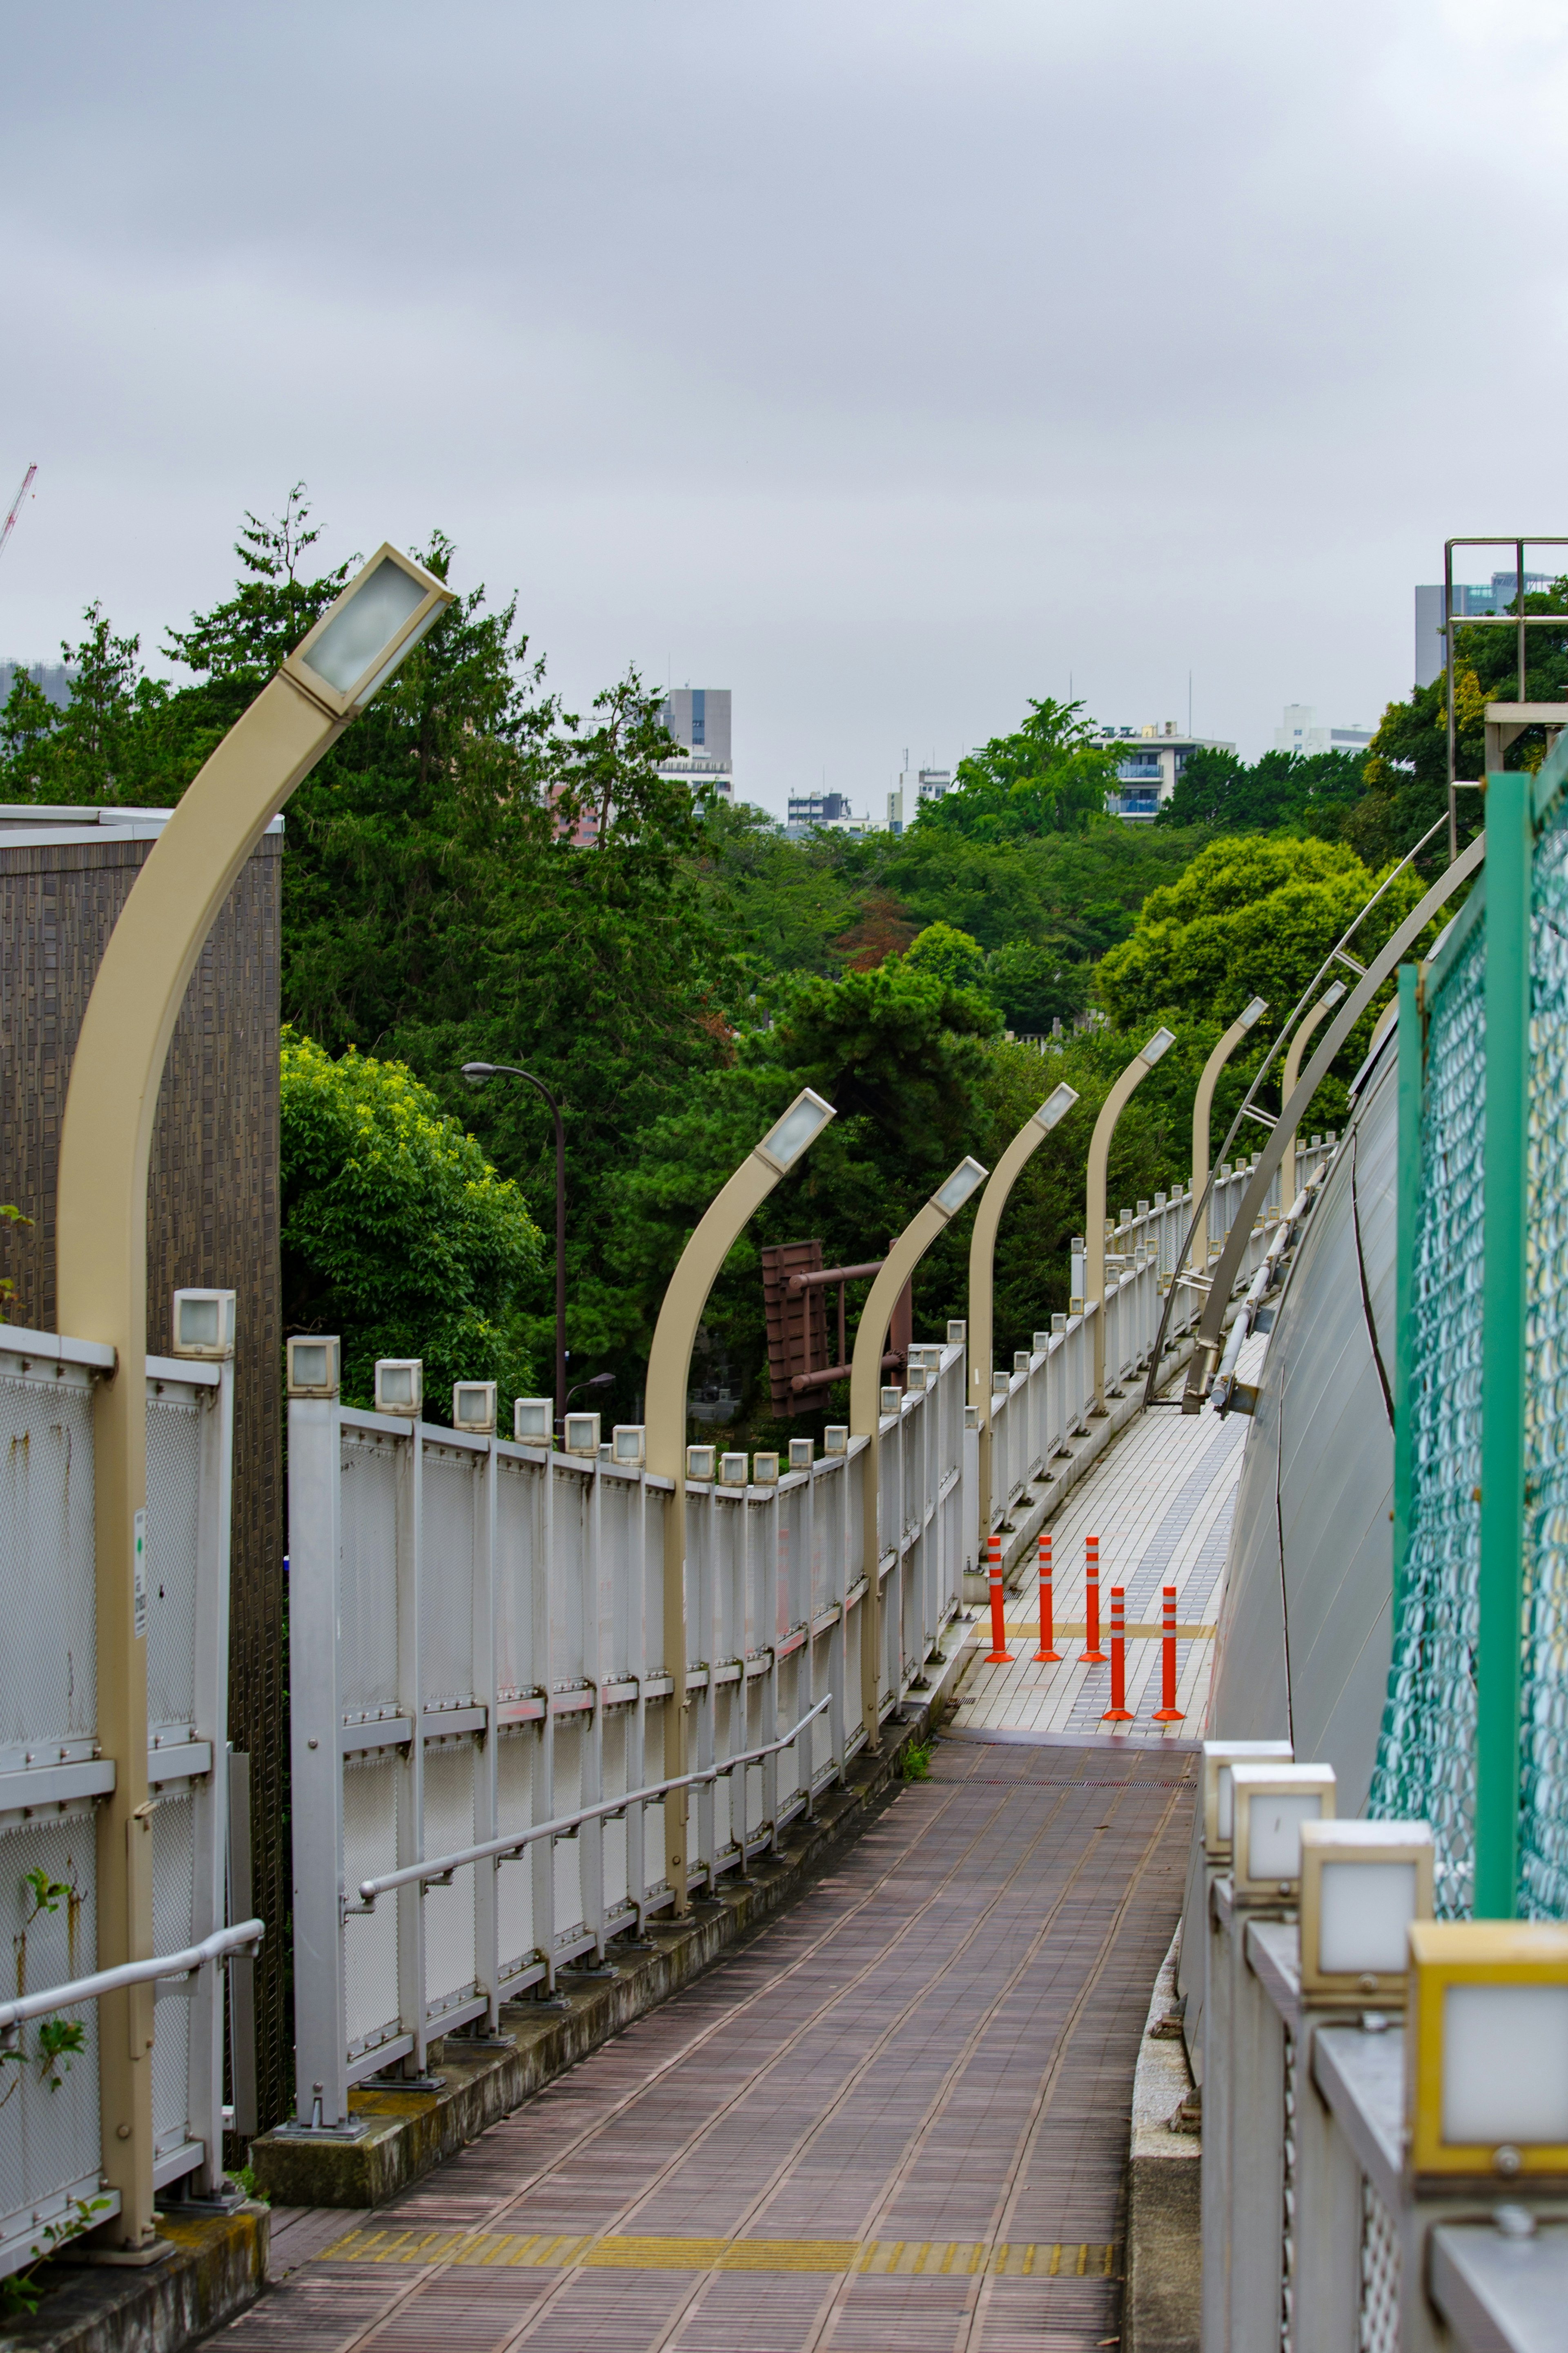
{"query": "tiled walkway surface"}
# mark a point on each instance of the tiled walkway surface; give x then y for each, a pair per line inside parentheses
(898, 2120)
(1160, 1500)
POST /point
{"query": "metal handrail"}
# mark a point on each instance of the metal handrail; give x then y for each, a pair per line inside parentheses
(246, 1938)
(441, 1867)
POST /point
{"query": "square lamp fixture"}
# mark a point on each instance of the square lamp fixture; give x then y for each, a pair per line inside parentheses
(1160, 1043)
(836, 1438)
(363, 637)
(1000, 1384)
(957, 1331)
(1362, 1883)
(1271, 1803)
(965, 1181)
(765, 1470)
(204, 1323)
(1219, 1756)
(582, 1434)
(799, 1128)
(400, 1386)
(971, 1417)
(313, 1366)
(801, 1453)
(701, 1462)
(915, 1376)
(1057, 1105)
(628, 1445)
(892, 1401)
(732, 1470)
(1042, 1342)
(533, 1421)
(1486, 2068)
(474, 1408)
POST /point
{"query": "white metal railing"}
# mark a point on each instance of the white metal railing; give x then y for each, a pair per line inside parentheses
(246, 1939)
(475, 1633)
(438, 1871)
(1317, 2237)
(54, 1774)
(1050, 1390)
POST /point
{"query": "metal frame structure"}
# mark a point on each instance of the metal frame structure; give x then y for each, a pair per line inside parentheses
(1520, 621)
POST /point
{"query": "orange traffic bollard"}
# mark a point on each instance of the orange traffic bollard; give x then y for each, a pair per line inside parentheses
(1168, 1711)
(1093, 1656)
(998, 1655)
(1048, 1654)
(1118, 1711)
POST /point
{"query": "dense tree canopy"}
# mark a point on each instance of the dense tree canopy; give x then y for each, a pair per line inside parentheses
(476, 874)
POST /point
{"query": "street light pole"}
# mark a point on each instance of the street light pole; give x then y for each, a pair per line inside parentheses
(476, 1074)
(1203, 1104)
(102, 1247)
(982, 1273)
(668, 1380)
(1110, 1110)
(865, 1412)
(1293, 1053)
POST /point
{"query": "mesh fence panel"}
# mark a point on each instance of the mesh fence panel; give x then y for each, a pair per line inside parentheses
(1543, 1828)
(1427, 1752)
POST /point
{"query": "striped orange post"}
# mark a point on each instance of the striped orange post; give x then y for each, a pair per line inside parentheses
(1168, 1711)
(1048, 1654)
(1118, 1711)
(1093, 1656)
(998, 1655)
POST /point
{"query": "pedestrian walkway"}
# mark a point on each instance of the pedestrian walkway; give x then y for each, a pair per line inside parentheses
(896, 2120)
(1160, 1500)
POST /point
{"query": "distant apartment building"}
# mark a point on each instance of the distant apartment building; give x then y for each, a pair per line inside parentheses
(1301, 732)
(915, 788)
(1469, 597)
(1150, 758)
(825, 812)
(53, 677)
(698, 719)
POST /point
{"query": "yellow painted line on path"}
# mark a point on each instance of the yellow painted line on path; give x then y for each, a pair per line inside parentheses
(556, 2250)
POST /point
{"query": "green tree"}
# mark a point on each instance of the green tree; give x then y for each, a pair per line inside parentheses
(1037, 982)
(1311, 794)
(947, 955)
(398, 1234)
(1048, 776)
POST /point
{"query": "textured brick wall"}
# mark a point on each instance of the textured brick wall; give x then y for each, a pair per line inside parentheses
(212, 1219)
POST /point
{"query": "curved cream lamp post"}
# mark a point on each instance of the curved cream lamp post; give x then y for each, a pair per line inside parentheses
(1110, 1110)
(982, 1270)
(1251, 1014)
(101, 1244)
(865, 1401)
(668, 1380)
(1293, 1053)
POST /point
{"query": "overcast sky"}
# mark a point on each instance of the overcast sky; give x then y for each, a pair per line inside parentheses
(889, 363)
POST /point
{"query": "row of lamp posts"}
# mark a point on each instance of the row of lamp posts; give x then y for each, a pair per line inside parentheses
(105, 1147)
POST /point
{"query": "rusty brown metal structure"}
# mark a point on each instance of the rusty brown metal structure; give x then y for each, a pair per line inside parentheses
(803, 1361)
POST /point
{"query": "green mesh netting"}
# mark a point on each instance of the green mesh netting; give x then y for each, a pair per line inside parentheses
(1427, 1754)
(1543, 1827)
(1425, 1765)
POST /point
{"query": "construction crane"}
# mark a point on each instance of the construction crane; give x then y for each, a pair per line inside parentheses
(9, 525)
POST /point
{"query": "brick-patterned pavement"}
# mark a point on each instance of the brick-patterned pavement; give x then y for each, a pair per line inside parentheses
(895, 2120)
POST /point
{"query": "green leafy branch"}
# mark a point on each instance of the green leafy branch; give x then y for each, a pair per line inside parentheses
(20, 2294)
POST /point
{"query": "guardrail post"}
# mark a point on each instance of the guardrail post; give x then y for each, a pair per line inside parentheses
(315, 1709)
(211, 1793)
(410, 1514)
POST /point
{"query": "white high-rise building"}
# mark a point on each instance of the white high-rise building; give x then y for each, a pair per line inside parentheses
(915, 788)
(1301, 732)
(698, 719)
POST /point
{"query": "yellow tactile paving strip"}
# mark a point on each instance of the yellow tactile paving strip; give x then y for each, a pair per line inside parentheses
(546, 2250)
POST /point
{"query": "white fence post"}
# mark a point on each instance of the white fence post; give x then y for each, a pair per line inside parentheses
(315, 1706)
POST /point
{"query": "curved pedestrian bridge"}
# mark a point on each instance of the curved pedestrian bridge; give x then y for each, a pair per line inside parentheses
(898, 2118)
